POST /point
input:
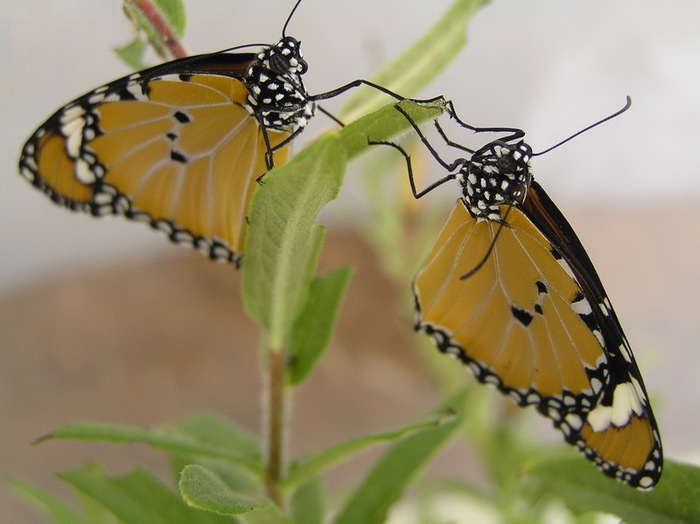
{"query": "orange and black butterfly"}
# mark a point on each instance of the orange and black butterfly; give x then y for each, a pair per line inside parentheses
(179, 146)
(510, 291)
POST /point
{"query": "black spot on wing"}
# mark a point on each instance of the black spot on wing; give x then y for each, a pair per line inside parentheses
(181, 117)
(523, 316)
(178, 157)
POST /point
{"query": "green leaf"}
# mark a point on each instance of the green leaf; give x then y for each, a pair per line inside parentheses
(307, 502)
(392, 473)
(314, 327)
(132, 54)
(55, 508)
(420, 64)
(204, 489)
(674, 499)
(172, 440)
(135, 498)
(283, 241)
(320, 463)
(236, 477)
(385, 124)
(215, 429)
(220, 431)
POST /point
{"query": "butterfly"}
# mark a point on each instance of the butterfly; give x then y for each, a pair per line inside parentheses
(510, 291)
(179, 146)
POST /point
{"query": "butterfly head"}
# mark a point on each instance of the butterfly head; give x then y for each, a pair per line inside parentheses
(497, 175)
(286, 57)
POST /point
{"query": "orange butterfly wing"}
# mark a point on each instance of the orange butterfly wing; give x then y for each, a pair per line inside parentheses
(524, 323)
(178, 150)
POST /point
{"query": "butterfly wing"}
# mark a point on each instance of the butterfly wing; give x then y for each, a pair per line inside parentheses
(620, 433)
(175, 146)
(523, 322)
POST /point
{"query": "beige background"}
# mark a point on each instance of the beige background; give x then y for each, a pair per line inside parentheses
(104, 320)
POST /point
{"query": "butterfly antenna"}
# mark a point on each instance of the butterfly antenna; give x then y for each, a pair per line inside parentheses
(609, 117)
(501, 225)
(289, 18)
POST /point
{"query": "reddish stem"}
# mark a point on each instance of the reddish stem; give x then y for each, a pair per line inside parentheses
(168, 39)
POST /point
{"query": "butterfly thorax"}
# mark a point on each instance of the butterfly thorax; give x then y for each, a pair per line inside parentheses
(498, 174)
(277, 94)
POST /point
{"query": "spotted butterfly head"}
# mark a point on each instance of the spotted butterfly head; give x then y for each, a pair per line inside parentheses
(283, 58)
(277, 93)
(498, 174)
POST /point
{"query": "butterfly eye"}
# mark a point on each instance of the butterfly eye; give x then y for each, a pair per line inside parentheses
(506, 164)
(279, 64)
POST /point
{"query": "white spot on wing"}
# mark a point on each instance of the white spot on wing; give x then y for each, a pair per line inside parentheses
(582, 307)
(565, 265)
(626, 400)
(625, 352)
(83, 172)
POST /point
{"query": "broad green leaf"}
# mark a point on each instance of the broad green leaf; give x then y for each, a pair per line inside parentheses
(392, 473)
(307, 502)
(172, 440)
(674, 499)
(283, 241)
(420, 64)
(204, 489)
(149, 491)
(215, 429)
(313, 329)
(239, 479)
(320, 463)
(52, 506)
(135, 498)
(218, 430)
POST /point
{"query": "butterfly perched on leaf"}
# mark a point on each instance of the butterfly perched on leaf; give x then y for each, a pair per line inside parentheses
(179, 146)
(510, 291)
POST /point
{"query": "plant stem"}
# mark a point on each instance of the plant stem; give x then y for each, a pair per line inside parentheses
(276, 410)
(167, 39)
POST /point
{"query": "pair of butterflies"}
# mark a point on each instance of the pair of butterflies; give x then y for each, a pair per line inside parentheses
(508, 288)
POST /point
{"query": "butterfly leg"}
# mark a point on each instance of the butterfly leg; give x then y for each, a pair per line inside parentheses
(449, 167)
(515, 133)
(416, 194)
(360, 82)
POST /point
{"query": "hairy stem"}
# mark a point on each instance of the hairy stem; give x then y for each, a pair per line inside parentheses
(168, 43)
(276, 419)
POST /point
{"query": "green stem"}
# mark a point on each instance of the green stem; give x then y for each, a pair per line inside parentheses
(276, 410)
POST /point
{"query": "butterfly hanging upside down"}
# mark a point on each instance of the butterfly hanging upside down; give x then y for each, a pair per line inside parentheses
(179, 146)
(510, 291)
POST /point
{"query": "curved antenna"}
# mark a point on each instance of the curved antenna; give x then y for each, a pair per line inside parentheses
(609, 117)
(242, 46)
(289, 18)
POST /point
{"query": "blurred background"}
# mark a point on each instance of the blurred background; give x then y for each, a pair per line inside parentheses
(104, 319)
